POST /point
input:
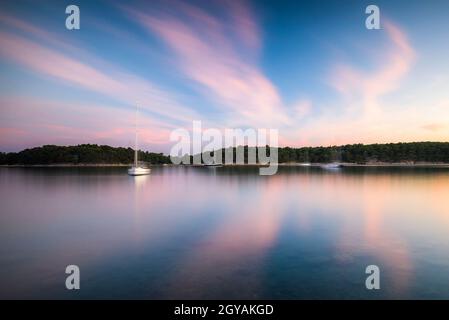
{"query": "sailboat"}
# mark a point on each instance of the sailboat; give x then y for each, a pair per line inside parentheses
(137, 170)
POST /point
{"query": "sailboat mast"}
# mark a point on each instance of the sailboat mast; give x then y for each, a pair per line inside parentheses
(135, 144)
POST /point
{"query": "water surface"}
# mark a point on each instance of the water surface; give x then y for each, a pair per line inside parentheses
(211, 233)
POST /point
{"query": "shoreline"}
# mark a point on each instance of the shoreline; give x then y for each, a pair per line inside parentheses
(380, 164)
(70, 165)
(340, 164)
(305, 165)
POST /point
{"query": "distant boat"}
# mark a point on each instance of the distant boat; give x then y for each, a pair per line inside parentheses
(304, 164)
(213, 164)
(137, 170)
(330, 166)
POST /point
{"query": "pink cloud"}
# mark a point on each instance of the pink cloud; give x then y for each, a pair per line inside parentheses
(124, 87)
(244, 24)
(207, 52)
(368, 87)
(28, 122)
(359, 116)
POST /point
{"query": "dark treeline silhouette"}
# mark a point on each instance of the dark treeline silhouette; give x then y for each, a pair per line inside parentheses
(354, 153)
(359, 153)
(80, 154)
(435, 152)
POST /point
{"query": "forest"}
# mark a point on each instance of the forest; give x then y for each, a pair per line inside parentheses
(431, 152)
(359, 153)
(434, 152)
(80, 154)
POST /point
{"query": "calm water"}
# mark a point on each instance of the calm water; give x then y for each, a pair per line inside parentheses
(224, 233)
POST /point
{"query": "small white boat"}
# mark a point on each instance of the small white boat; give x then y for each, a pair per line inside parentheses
(331, 166)
(213, 165)
(304, 164)
(137, 170)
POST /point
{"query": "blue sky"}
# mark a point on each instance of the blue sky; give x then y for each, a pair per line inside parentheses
(307, 68)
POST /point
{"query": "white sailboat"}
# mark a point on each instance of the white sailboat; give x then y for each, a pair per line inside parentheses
(137, 170)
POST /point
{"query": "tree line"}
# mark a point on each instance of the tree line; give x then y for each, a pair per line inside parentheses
(353, 153)
(360, 153)
(80, 154)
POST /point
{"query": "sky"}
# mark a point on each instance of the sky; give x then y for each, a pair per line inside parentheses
(310, 69)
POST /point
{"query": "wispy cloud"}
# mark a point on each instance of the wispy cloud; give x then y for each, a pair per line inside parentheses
(124, 87)
(31, 121)
(55, 58)
(210, 53)
(358, 115)
(366, 88)
(60, 61)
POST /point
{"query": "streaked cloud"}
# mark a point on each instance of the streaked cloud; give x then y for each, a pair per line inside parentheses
(209, 54)
(359, 115)
(30, 121)
(125, 87)
(365, 88)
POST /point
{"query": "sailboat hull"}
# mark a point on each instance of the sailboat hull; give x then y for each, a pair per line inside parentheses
(138, 171)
